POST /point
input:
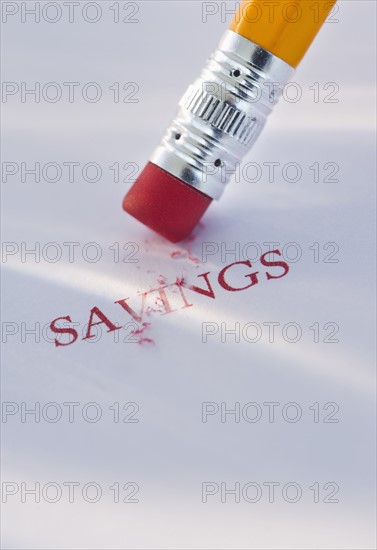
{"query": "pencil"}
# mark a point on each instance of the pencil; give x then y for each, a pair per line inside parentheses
(223, 112)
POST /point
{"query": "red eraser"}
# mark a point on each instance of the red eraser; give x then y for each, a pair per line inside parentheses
(165, 204)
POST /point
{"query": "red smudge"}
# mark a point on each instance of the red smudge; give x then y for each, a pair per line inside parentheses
(142, 341)
(180, 280)
(194, 259)
(141, 329)
(140, 333)
(186, 252)
(158, 302)
(162, 280)
(178, 254)
(151, 310)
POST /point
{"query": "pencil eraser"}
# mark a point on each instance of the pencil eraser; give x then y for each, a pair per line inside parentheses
(165, 204)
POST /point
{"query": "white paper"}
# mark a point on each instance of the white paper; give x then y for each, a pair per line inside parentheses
(175, 373)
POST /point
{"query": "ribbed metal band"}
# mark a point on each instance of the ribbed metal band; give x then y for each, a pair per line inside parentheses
(221, 114)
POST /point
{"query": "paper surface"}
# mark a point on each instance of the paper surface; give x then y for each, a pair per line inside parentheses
(143, 414)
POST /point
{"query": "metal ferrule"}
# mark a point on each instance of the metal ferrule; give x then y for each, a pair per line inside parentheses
(221, 114)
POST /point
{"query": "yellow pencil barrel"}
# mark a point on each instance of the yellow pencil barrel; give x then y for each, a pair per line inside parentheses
(285, 28)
